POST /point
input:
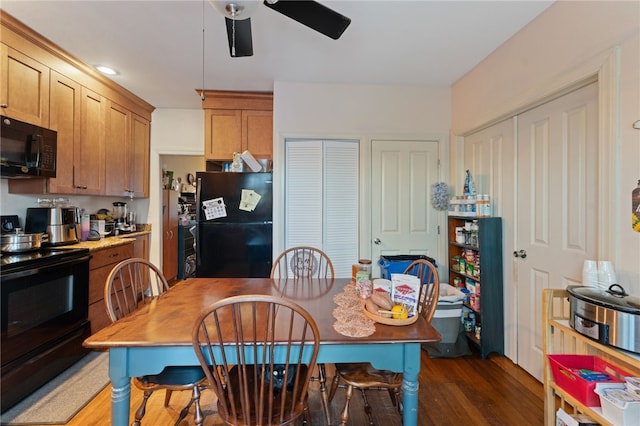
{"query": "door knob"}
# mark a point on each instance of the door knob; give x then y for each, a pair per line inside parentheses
(520, 253)
(377, 241)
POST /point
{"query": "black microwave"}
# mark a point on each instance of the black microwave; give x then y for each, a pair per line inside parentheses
(27, 150)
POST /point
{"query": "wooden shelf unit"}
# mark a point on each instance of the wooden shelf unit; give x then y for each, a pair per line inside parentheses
(489, 247)
(559, 338)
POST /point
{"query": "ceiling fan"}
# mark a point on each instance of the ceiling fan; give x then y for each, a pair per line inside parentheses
(310, 13)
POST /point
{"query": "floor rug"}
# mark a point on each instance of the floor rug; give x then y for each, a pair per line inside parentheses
(61, 398)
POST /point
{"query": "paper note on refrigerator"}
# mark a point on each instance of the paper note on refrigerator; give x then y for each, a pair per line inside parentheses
(214, 208)
(249, 200)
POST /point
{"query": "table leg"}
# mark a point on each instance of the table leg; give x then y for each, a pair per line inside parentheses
(410, 384)
(120, 387)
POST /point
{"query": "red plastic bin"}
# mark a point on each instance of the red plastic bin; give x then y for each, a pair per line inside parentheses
(566, 373)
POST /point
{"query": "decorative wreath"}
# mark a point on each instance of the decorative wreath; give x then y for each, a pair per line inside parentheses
(440, 196)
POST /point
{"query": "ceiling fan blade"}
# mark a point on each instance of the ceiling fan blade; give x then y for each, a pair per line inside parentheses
(314, 15)
(242, 40)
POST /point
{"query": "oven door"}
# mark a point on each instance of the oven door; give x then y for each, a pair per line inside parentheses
(41, 305)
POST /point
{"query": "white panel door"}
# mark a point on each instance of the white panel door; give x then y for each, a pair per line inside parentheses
(489, 154)
(556, 207)
(403, 221)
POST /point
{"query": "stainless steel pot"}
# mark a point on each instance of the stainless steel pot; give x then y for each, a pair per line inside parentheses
(21, 242)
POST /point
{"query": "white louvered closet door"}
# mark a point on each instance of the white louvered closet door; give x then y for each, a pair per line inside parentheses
(321, 193)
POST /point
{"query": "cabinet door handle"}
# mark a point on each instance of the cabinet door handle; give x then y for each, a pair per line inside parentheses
(377, 241)
(4, 106)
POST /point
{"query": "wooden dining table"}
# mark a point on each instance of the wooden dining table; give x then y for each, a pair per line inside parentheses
(159, 334)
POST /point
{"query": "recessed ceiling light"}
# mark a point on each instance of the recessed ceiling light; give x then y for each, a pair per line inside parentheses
(106, 70)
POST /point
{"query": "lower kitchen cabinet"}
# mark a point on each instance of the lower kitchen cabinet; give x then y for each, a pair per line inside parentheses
(141, 246)
(102, 262)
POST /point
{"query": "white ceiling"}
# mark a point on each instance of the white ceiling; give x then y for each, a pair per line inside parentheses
(158, 45)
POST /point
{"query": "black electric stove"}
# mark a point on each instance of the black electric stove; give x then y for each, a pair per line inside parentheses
(44, 300)
(17, 262)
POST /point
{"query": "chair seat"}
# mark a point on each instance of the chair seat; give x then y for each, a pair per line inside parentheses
(175, 375)
(364, 375)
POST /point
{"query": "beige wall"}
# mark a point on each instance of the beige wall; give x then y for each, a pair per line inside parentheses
(173, 132)
(567, 43)
(354, 112)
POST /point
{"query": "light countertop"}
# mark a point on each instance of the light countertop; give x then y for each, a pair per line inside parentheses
(108, 242)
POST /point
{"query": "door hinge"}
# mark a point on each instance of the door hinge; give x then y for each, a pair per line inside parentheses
(438, 229)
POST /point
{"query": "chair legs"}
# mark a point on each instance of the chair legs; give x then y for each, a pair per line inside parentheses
(344, 415)
(322, 378)
(195, 399)
(367, 407)
(167, 397)
(394, 394)
(142, 409)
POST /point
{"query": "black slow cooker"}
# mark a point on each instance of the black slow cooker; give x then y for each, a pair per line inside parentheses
(611, 316)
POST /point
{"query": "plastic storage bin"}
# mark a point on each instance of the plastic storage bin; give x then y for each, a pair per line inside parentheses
(567, 373)
(398, 263)
(446, 321)
(620, 406)
(448, 312)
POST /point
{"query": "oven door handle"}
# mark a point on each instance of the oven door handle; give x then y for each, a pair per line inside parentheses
(36, 270)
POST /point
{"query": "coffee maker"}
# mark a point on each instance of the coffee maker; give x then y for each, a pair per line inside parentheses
(60, 223)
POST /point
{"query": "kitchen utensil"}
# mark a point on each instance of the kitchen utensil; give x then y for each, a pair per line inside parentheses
(21, 242)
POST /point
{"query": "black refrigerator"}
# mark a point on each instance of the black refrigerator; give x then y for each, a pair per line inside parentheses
(235, 227)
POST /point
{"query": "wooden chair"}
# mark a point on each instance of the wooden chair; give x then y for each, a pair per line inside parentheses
(299, 263)
(131, 284)
(302, 262)
(363, 375)
(258, 353)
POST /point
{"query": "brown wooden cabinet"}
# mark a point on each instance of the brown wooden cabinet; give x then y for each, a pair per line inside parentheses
(24, 87)
(66, 97)
(89, 160)
(127, 162)
(141, 246)
(170, 234)
(138, 154)
(238, 121)
(101, 264)
(99, 152)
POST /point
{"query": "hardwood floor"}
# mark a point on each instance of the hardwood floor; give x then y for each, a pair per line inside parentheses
(466, 390)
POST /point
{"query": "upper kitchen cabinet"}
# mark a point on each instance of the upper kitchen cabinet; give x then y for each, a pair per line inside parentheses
(89, 157)
(24, 90)
(238, 121)
(128, 138)
(66, 97)
(44, 85)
